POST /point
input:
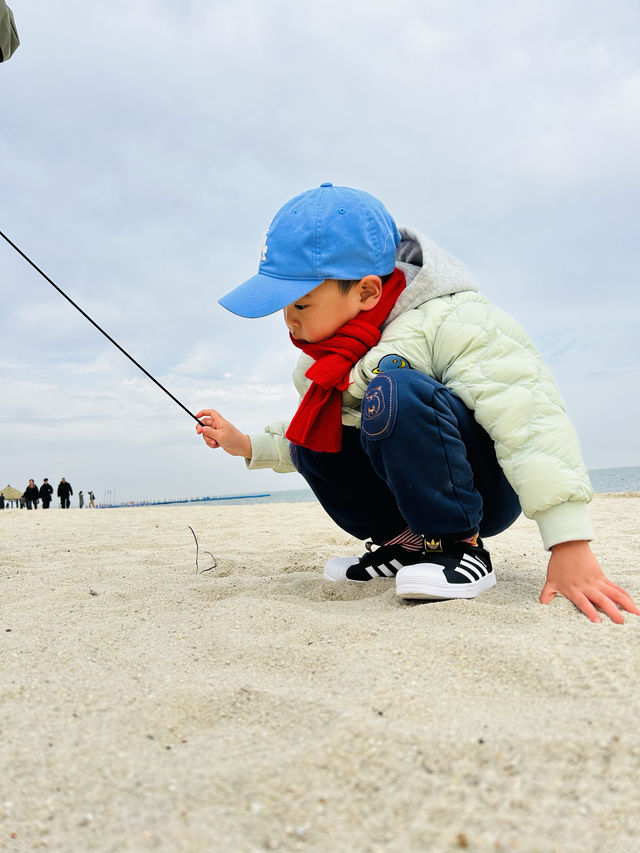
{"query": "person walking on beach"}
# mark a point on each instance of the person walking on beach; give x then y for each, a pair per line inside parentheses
(80, 499)
(46, 490)
(427, 417)
(64, 493)
(31, 495)
(92, 500)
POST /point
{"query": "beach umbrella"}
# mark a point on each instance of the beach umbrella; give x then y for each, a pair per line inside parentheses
(11, 494)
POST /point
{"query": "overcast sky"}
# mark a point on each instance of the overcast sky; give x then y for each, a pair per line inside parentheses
(145, 146)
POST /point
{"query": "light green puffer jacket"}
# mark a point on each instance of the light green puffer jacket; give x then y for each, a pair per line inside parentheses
(443, 327)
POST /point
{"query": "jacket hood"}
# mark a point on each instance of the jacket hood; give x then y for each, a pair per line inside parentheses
(429, 270)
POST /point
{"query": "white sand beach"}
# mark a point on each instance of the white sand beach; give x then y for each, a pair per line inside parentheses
(259, 707)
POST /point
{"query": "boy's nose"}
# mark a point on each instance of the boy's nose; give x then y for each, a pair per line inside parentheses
(289, 318)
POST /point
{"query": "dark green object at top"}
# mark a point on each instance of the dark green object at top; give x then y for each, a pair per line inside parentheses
(9, 40)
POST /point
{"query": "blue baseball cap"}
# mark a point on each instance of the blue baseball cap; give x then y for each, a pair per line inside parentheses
(328, 232)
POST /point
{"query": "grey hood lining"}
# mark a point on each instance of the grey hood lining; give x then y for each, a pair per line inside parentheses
(429, 270)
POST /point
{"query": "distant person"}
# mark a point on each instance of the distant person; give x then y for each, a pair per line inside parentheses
(1, 501)
(31, 495)
(80, 499)
(92, 500)
(46, 491)
(9, 40)
(64, 493)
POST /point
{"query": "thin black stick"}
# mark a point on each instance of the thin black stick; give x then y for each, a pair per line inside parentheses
(198, 570)
(93, 322)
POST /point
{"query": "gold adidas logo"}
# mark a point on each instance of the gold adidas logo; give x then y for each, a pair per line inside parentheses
(433, 545)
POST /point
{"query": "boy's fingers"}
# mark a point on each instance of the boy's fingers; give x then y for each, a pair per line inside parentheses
(547, 594)
(622, 598)
(582, 603)
(608, 598)
(208, 435)
(608, 607)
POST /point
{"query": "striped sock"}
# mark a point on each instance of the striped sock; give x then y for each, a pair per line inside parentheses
(408, 540)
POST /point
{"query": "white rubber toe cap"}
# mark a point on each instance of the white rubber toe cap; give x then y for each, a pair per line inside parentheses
(336, 569)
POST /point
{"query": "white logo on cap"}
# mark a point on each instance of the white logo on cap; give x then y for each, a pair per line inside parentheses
(263, 249)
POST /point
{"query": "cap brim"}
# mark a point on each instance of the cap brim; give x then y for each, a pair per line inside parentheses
(263, 294)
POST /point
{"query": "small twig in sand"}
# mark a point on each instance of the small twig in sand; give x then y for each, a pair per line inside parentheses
(200, 571)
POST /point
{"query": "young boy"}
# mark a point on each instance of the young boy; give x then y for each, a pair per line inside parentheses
(427, 418)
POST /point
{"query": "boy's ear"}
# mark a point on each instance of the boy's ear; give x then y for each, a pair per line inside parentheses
(370, 291)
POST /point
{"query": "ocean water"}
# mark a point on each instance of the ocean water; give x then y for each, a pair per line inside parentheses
(602, 479)
(289, 496)
(615, 479)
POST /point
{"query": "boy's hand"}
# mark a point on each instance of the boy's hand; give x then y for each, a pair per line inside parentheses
(219, 432)
(574, 572)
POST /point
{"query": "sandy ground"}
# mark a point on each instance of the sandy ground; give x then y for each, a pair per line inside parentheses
(259, 707)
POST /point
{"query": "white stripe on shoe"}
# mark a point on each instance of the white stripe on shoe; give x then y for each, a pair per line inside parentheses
(474, 562)
(474, 571)
(468, 574)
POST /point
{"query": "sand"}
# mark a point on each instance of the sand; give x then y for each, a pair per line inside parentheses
(259, 707)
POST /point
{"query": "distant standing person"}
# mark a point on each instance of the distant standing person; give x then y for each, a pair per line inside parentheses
(31, 495)
(80, 499)
(64, 493)
(46, 490)
(92, 500)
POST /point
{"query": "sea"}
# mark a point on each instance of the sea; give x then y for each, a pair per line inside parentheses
(603, 480)
(615, 479)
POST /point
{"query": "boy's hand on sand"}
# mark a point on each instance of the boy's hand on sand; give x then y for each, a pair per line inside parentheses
(574, 572)
(218, 432)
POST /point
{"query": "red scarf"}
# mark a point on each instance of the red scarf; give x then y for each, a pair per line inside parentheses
(318, 422)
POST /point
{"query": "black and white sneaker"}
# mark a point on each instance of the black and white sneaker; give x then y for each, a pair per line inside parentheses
(385, 562)
(462, 571)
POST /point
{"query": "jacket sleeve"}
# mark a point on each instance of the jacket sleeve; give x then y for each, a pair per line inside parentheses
(270, 449)
(486, 358)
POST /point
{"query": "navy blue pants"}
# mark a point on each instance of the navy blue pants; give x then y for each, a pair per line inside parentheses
(419, 460)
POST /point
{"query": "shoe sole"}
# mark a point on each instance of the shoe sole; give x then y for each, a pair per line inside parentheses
(420, 587)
